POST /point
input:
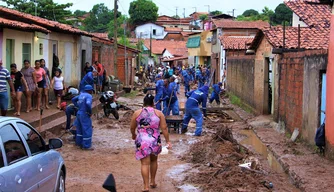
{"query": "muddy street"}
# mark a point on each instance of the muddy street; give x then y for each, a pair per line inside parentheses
(207, 163)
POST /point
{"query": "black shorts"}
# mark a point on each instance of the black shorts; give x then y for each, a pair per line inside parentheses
(58, 93)
(40, 84)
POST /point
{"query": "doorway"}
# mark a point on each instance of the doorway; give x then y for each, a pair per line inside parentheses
(268, 86)
(9, 60)
(323, 98)
(83, 61)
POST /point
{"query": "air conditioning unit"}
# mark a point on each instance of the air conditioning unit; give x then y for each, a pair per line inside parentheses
(209, 39)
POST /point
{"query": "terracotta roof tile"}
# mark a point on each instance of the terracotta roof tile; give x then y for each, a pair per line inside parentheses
(177, 48)
(20, 25)
(236, 42)
(311, 13)
(101, 35)
(310, 38)
(173, 29)
(51, 25)
(232, 24)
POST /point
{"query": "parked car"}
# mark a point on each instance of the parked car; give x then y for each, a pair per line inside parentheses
(27, 163)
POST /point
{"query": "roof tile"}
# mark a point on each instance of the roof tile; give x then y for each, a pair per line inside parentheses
(236, 42)
(176, 48)
(21, 25)
(232, 24)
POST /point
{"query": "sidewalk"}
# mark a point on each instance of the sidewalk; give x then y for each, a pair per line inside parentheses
(307, 170)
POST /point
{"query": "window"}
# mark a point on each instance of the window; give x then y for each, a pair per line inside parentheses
(26, 51)
(12, 143)
(154, 32)
(41, 49)
(35, 143)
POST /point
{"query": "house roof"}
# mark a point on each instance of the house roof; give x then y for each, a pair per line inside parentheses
(51, 25)
(174, 47)
(310, 38)
(101, 35)
(232, 24)
(151, 23)
(173, 29)
(236, 42)
(20, 25)
(175, 58)
(186, 33)
(199, 13)
(311, 12)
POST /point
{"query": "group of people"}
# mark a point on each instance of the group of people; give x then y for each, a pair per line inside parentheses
(32, 82)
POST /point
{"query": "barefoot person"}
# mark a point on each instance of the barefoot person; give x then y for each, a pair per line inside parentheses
(19, 83)
(58, 86)
(30, 76)
(46, 87)
(147, 121)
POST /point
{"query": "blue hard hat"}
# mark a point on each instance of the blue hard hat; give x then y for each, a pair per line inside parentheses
(88, 88)
(204, 89)
(220, 83)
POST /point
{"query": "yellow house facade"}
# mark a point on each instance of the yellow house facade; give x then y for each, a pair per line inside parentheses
(199, 49)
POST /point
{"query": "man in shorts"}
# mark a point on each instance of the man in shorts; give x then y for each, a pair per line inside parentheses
(5, 76)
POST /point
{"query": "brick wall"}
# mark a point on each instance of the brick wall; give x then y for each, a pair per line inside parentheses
(291, 73)
(240, 76)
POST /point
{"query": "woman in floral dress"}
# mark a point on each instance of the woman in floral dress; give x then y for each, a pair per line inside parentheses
(147, 140)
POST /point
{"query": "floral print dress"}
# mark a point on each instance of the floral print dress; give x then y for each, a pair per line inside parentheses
(148, 134)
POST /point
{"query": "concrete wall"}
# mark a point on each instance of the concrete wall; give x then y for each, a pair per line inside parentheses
(296, 21)
(314, 64)
(240, 76)
(19, 37)
(205, 48)
(144, 31)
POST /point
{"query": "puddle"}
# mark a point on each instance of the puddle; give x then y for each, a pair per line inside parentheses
(177, 172)
(259, 147)
(189, 188)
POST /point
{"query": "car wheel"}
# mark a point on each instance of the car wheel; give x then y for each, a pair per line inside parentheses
(61, 182)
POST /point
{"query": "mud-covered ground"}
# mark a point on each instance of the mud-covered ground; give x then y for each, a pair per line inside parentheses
(207, 163)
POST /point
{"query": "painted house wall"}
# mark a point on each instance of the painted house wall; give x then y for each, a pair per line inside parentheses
(296, 21)
(205, 47)
(68, 56)
(144, 31)
(167, 54)
(41, 41)
(19, 37)
(314, 66)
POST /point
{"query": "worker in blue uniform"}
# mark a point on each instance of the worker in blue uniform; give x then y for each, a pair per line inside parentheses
(187, 79)
(84, 122)
(195, 98)
(159, 89)
(88, 79)
(216, 92)
(201, 79)
(171, 102)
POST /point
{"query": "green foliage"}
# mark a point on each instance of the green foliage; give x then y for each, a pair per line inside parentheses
(79, 13)
(125, 41)
(120, 30)
(143, 11)
(282, 15)
(250, 12)
(45, 8)
(203, 17)
(99, 18)
(265, 15)
(176, 17)
(237, 101)
(216, 12)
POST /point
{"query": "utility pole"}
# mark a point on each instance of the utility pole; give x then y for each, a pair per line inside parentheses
(115, 38)
(195, 9)
(208, 8)
(125, 57)
(35, 1)
(233, 12)
(176, 11)
(184, 12)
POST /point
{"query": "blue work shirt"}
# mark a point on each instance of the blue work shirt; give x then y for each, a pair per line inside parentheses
(171, 89)
(216, 89)
(88, 79)
(159, 87)
(84, 103)
(196, 97)
(188, 78)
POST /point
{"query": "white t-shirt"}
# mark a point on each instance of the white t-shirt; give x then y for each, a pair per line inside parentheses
(58, 83)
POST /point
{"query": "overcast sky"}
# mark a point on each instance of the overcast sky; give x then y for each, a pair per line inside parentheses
(168, 7)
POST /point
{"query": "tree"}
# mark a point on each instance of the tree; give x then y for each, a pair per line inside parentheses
(250, 12)
(176, 17)
(213, 13)
(264, 16)
(282, 14)
(120, 30)
(203, 17)
(45, 8)
(143, 11)
(99, 18)
(79, 13)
